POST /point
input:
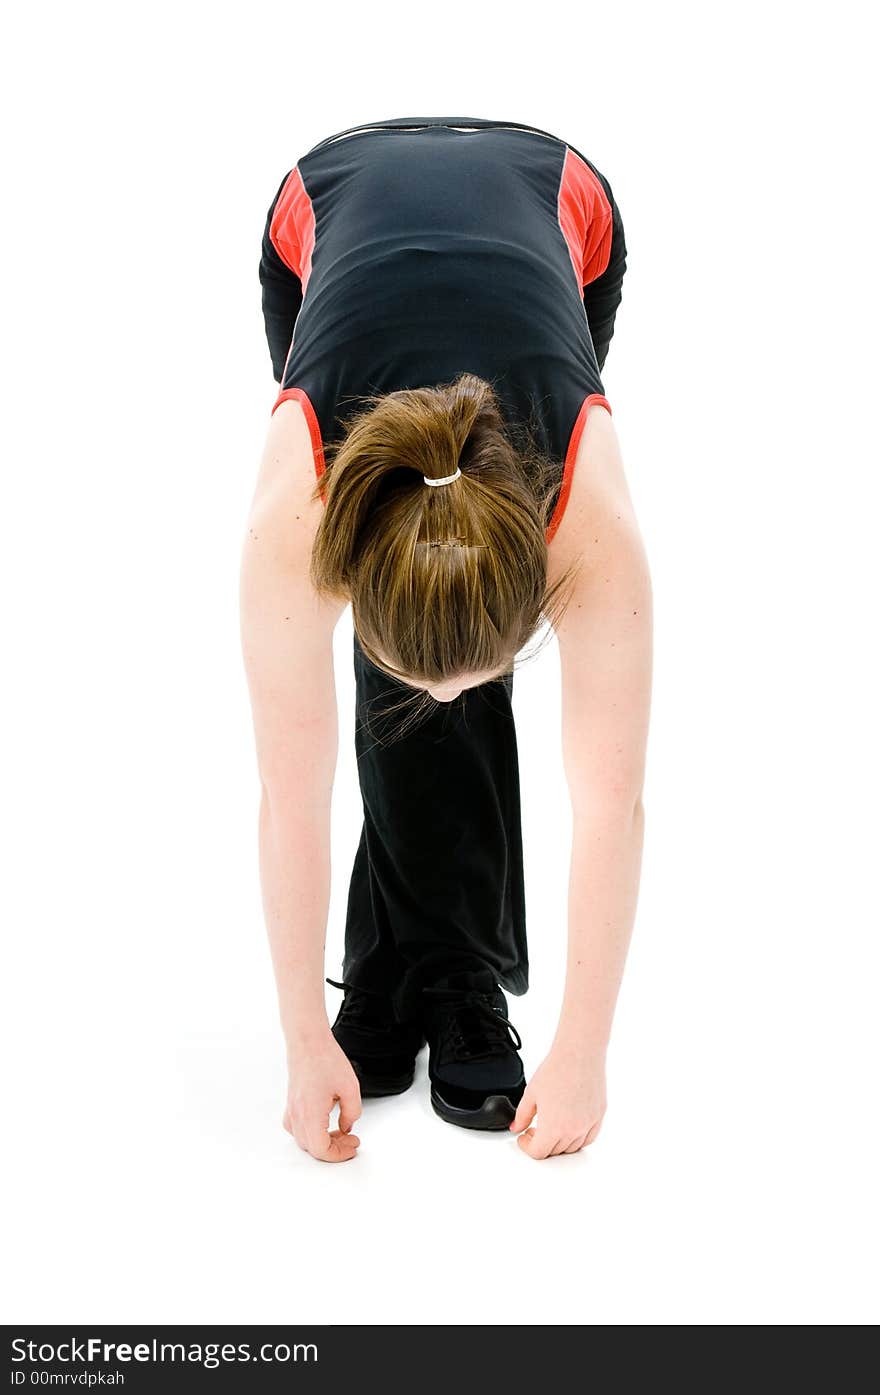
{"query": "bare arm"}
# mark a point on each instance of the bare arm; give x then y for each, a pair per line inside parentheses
(606, 657)
(287, 645)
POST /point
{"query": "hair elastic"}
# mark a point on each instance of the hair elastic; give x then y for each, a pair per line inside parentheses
(447, 479)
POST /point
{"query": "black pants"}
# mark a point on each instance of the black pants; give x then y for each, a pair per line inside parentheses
(437, 882)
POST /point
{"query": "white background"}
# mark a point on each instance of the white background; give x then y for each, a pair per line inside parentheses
(148, 1177)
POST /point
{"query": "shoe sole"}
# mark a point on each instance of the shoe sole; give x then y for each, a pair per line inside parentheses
(376, 1086)
(495, 1113)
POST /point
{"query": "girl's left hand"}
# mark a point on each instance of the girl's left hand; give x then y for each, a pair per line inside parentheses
(568, 1093)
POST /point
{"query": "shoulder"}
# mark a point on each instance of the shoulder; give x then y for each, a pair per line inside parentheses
(599, 514)
(282, 524)
(283, 501)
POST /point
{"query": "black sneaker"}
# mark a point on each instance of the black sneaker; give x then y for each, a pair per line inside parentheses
(477, 1077)
(382, 1051)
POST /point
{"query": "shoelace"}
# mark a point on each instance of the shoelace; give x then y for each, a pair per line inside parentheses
(357, 1003)
(474, 1028)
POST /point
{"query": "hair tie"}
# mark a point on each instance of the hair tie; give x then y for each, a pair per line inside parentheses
(447, 479)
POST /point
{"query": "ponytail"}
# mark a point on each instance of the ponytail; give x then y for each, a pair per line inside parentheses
(413, 560)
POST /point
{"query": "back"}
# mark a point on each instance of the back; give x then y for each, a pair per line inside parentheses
(428, 251)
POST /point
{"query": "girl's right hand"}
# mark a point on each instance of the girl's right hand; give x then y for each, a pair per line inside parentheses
(319, 1078)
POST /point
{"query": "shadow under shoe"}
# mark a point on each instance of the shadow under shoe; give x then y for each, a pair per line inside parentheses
(476, 1073)
(382, 1051)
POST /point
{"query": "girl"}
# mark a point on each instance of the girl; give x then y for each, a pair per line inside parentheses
(439, 297)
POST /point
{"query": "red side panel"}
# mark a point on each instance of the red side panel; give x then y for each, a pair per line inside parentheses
(585, 219)
(292, 229)
(570, 457)
(297, 395)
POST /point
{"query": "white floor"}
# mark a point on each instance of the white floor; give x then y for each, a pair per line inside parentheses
(151, 1181)
(178, 1199)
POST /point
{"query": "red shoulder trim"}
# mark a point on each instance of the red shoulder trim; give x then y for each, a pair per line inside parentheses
(297, 395)
(570, 456)
(292, 230)
(584, 215)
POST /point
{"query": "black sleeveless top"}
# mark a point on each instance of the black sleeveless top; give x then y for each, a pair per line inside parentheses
(426, 248)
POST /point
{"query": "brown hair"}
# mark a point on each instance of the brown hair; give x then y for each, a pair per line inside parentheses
(442, 581)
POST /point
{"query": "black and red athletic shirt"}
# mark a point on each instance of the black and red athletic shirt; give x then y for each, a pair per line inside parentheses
(402, 253)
